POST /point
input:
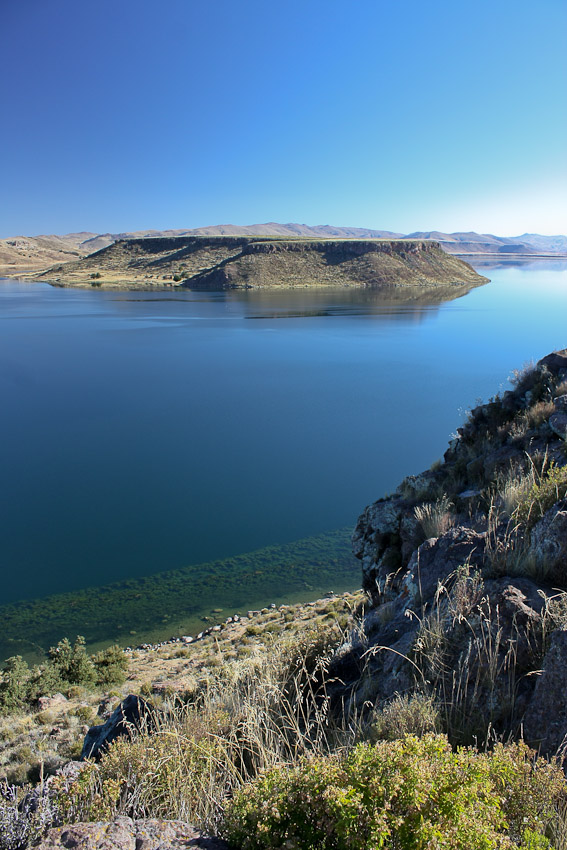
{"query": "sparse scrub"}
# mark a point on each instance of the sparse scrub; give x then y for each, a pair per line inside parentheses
(466, 658)
(513, 489)
(69, 669)
(20, 822)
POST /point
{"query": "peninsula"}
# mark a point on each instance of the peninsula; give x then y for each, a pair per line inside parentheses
(244, 262)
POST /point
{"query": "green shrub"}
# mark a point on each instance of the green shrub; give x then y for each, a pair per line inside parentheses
(44, 681)
(14, 684)
(545, 490)
(409, 794)
(71, 663)
(110, 666)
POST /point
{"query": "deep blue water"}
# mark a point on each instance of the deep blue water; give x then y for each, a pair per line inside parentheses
(142, 432)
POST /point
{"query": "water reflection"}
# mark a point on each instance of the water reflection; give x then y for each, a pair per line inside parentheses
(409, 304)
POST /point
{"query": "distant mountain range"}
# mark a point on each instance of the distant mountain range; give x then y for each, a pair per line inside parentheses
(32, 253)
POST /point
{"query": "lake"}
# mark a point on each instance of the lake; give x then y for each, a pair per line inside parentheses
(147, 432)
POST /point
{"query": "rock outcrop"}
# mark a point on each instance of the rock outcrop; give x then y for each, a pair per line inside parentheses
(133, 714)
(466, 569)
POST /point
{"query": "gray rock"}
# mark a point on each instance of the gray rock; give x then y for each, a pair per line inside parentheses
(558, 423)
(132, 714)
(54, 701)
(545, 721)
(501, 461)
(376, 541)
(437, 558)
(125, 834)
(556, 362)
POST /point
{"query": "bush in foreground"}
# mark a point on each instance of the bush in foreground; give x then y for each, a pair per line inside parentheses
(409, 794)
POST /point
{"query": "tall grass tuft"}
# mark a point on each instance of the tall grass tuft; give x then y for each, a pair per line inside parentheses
(435, 518)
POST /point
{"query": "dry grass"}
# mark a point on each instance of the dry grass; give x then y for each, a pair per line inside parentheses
(271, 708)
(435, 518)
(466, 658)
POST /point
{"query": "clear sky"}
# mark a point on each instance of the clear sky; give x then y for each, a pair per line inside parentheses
(122, 115)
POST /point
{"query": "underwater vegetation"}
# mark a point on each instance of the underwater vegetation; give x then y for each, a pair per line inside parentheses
(176, 602)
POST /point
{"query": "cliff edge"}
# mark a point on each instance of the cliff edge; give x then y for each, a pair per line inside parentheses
(466, 569)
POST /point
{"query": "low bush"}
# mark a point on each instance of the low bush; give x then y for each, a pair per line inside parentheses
(414, 714)
(547, 488)
(409, 794)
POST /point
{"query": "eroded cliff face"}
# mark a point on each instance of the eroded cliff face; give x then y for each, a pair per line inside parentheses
(245, 262)
(465, 566)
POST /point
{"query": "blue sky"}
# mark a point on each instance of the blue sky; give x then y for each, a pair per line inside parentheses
(132, 114)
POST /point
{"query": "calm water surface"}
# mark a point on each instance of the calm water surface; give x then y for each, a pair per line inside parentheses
(145, 431)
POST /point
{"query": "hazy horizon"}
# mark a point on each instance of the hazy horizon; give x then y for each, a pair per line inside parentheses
(272, 221)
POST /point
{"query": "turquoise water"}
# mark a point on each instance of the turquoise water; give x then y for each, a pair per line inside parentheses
(143, 432)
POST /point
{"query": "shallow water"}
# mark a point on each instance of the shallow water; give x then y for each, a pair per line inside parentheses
(143, 432)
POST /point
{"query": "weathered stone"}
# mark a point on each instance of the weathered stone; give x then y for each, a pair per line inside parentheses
(54, 701)
(132, 714)
(376, 541)
(125, 834)
(556, 362)
(503, 460)
(558, 423)
(549, 542)
(545, 721)
(437, 558)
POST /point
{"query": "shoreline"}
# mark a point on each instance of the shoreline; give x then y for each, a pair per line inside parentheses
(182, 601)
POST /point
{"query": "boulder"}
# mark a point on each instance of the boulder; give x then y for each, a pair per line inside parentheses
(545, 721)
(133, 714)
(436, 559)
(556, 362)
(558, 423)
(125, 834)
(55, 701)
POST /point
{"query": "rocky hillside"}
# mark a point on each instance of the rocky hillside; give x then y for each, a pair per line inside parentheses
(292, 726)
(226, 262)
(466, 569)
